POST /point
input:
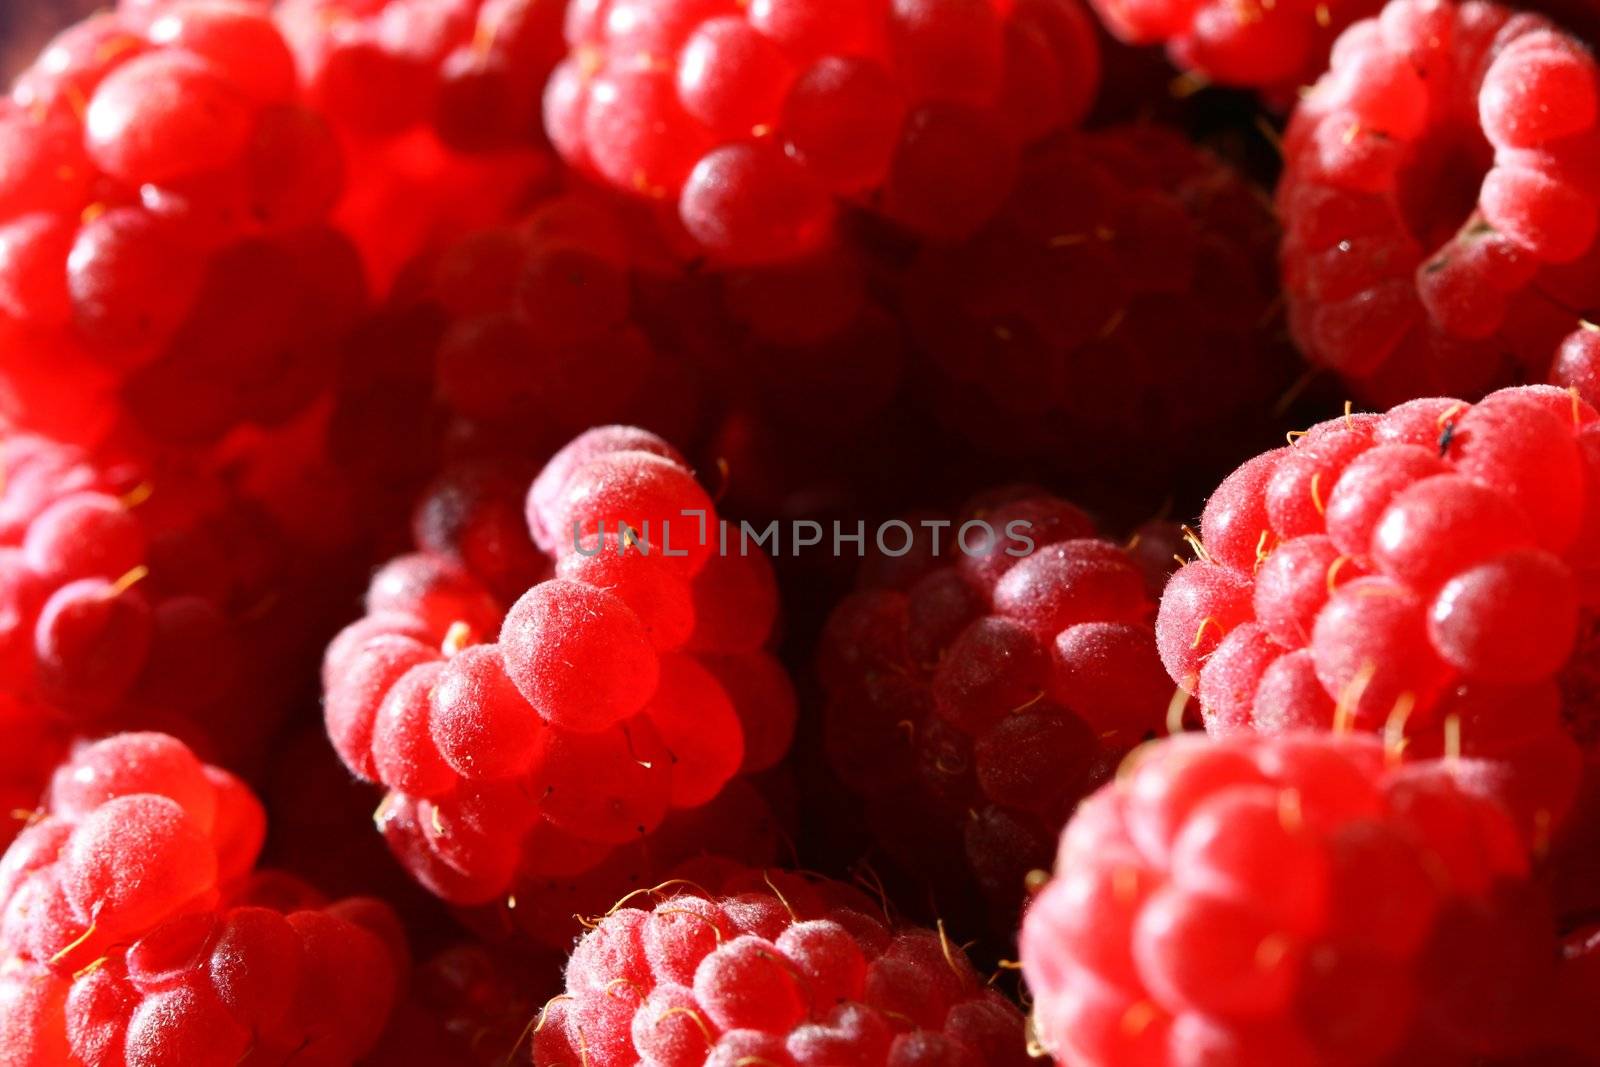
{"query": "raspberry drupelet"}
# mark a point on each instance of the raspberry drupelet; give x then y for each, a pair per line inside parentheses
(532, 741)
(1118, 314)
(1291, 901)
(1439, 203)
(136, 933)
(974, 699)
(168, 271)
(766, 967)
(756, 123)
(1426, 573)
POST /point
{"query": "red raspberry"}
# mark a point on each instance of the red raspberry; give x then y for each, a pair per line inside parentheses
(167, 199)
(136, 934)
(627, 686)
(1090, 318)
(974, 699)
(1289, 900)
(766, 967)
(574, 315)
(756, 122)
(131, 599)
(581, 313)
(1261, 44)
(1426, 573)
(1440, 215)
(437, 105)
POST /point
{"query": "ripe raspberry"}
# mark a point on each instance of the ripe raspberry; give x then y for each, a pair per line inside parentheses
(757, 123)
(574, 315)
(1273, 46)
(1089, 320)
(437, 108)
(766, 967)
(167, 199)
(975, 698)
(1426, 573)
(137, 935)
(1288, 900)
(1440, 216)
(627, 686)
(581, 313)
(131, 596)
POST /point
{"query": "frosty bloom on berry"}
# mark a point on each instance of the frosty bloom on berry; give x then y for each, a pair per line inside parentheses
(1426, 573)
(1439, 204)
(1288, 902)
(167, 271)
(756, 122)
(725, 966)
(135, 933)
(533, 740)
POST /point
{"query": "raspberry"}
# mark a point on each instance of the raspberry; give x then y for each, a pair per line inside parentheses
(974, 699)
(759, 124)
(1288, 900)
(170, 200)
(1440, 231)
(767, 967)
(582, 312)
(569, 317)
(533, 740)
(1423, 573)
(131, 599)
(137, 931)
(1089, 318)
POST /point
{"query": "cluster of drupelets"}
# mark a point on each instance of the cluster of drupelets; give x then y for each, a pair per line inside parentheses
(508, 311)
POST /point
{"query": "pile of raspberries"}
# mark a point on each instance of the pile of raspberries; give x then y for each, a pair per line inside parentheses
(800, 533)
